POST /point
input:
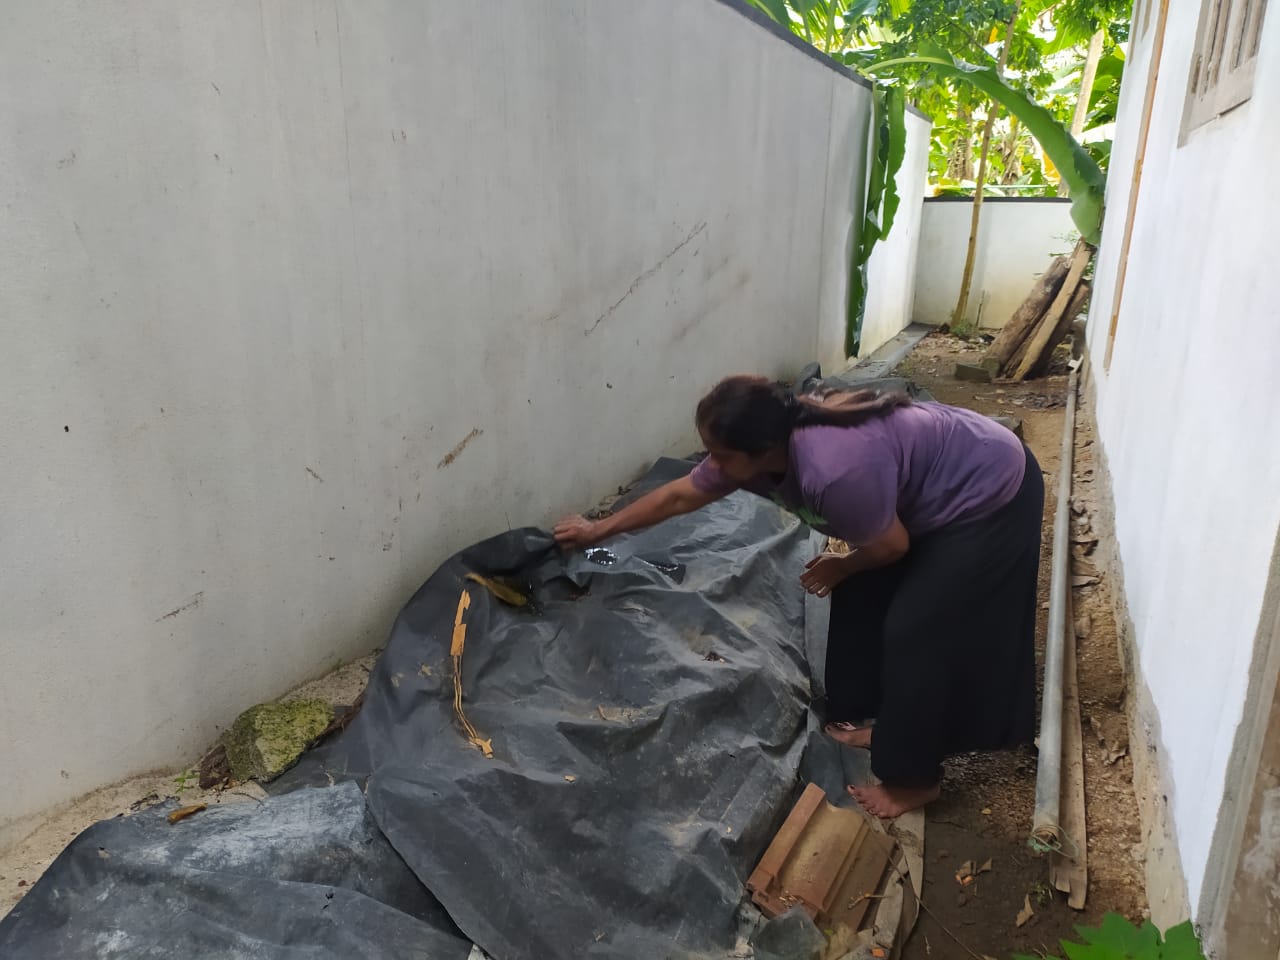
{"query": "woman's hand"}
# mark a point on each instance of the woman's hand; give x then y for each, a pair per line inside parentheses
(574, 533)
(669, 500)
(823, 572)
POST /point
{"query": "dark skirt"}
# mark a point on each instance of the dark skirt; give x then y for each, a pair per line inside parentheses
(939, 648)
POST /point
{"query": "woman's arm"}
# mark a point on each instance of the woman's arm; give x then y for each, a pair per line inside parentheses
(822, 573)
(669, 500)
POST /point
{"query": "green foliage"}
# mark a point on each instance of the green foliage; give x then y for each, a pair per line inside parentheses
(1118, 939)
(183, 780)
(1079, 170)
(1075, 21)
(1104, 101)
(1044, 57)
(832, 26)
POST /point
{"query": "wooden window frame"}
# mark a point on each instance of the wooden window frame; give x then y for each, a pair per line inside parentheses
(1224, 59)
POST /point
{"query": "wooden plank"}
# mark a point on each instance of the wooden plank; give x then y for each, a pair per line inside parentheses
(1069, 870)
(1044, 330)
(1078, 301)
(1153, 76)
(1023, 321)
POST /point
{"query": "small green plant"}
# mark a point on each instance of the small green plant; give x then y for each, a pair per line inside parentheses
(183, 780)
(1042, 894)
(1118, 939)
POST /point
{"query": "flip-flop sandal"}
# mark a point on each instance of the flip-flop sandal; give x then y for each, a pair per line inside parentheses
(845, 727)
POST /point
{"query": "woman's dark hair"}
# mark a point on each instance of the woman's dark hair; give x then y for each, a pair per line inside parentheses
(753, 415)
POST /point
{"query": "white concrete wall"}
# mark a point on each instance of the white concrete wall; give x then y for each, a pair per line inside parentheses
(299, 300)
(1188, 412)
(1017, 240)
(891, 271)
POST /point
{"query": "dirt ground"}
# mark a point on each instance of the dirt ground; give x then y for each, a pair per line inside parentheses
(985, 809)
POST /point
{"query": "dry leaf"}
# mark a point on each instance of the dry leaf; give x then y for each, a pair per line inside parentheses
(569, 778)
(985, 867)
(1083, 581)
(986, 811)
(183, 812)
(506, 594)
(1026, 913)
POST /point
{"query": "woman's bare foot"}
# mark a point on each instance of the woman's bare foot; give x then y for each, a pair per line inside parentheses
(849, 735)
(885, 801)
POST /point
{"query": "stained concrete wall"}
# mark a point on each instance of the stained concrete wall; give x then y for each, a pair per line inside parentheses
(299, 300)
(1017, 240)
(1188, 412)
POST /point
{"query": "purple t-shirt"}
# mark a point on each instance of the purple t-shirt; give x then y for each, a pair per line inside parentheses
(929, 463)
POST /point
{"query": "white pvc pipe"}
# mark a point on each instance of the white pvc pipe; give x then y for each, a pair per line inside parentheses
(1046, 832)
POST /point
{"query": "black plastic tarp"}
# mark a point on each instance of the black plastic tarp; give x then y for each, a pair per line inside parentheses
(647, 711)
(307, 875)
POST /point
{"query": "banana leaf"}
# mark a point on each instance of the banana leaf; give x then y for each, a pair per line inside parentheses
(776, 9)
(1081, 173)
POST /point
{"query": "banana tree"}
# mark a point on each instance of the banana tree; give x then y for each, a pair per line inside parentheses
(1078, 169)
(833, 26)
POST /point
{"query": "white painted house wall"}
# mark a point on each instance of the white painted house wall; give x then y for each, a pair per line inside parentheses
(1017, 240)
(298, 301)
(1188, 412)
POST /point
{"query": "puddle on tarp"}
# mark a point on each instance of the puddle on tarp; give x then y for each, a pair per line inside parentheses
(607, 558)
(673, 570)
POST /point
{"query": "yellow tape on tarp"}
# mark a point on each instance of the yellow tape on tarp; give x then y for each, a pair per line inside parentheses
(455, 650)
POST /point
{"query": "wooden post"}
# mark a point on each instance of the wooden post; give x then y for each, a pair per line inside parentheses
(1036, 344)
(1015, 332)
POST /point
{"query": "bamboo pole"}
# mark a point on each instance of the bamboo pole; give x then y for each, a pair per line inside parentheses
(1147, 103)
(966, 280)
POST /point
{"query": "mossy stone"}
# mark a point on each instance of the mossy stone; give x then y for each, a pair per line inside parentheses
(268, 739)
